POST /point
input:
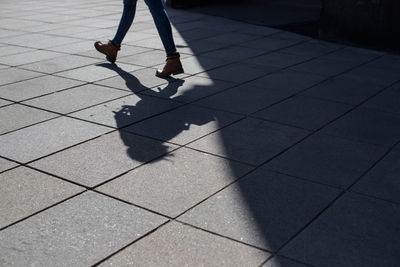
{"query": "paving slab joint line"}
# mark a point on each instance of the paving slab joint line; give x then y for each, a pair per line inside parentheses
(131, 243)
(223, 236)
(347, 189)
(277, 155)
(39, 211)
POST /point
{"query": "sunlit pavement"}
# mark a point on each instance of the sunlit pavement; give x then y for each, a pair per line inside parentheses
(272, 149)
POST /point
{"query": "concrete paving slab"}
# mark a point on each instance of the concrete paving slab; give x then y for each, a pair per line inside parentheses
(98, 72)
(234, 53)
(8, 33)
(101, 159)
(313, 48)
(288, 81)
(25, 191)
(4, 102)
(271, 43)
(382, 181)
(233, 38)
(278, 59)
(355, 55)
(376, 75)
(243, 99)
(367, 125)
(247, 72)
(250, 140)
(189, 243)
(41, 139)
(264, 209)
(388, 100)
(345, 90)
(146, 59)
(17, 116)
(197, 34)
(12, 75)
(78, 232)
(190, 89)
(61, 63)
(74, 48)
(6, 164)
(184, 124)
(304, 112)
(28, 57)
(69, 30)
(127, 110)
(328, 160)
(199, 46)
(136, 81)
(355, 231)
(36, 87)
(278, 261)
(176, 182)
(193, 65)
(76, 98)
(325, 67)
(7, 50)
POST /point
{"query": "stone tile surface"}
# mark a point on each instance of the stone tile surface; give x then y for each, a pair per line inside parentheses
(328, 160)
(17, 116)
(367, 125)
(47, 137)
(4, 102)
(126, 110)
(98, 72)
(388, 100)
(76, 98)
(250, 140)
(36, 87)
(194, 247)
(103, 158)
(312, 48)
(184, 124)
(78, 232)
(288, 81)
(247, 72)
(325, 67)
(234, 53)
(304, 112)
(355, 231)
(189, 89)
(28, 57)
(278, 59)
(244, 99)
(6, 164)
(194, 65)
(264, 209)
(25, 191)
(61, 63)
(383, 180)
(12, 75)
(136, 81)
(345, 90)
(176, 182)
(278, 261)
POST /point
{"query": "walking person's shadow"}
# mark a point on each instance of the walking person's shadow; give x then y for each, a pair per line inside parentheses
(128, 115)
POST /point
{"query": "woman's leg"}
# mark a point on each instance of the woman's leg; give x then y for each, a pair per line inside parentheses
(163, 25)
(125, 23)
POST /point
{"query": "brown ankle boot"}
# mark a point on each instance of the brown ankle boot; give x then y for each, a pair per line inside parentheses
(173, 66)
(109, 49)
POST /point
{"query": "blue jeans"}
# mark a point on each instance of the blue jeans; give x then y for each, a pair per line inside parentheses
(160, 18)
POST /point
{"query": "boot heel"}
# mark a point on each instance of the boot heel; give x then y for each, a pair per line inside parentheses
(178, 72)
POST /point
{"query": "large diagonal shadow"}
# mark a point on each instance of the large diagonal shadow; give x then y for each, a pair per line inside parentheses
(251, 194)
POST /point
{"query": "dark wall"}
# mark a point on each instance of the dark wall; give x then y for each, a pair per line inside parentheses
(366, 21)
